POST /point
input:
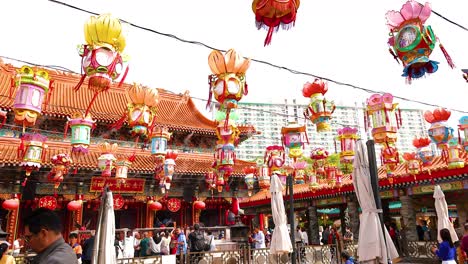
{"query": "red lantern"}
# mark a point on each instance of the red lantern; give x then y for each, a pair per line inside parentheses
(154, 205)
(273, 13)
(199, 205)
(74, 205)
(11, 204)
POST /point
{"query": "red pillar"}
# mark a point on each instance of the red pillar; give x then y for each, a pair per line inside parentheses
(261, 219)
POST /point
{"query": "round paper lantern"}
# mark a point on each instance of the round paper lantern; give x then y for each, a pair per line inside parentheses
(199, 205)
(74, 205)
(11, 204)
(155, 206)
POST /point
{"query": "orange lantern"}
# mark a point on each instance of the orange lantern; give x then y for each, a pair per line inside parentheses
(424, 151)
(413, 164)
(263, 177)
(270, 14)
(390, 159)
(61, 164)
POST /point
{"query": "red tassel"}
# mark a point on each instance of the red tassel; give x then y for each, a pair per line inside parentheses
(5, 118)
(24, 182)
(246, 89)
(66, 130)
(269, 36)
(226, 121)
(12, 87)
(77, 87)
(49, 94)
(124, 76)
(75, 171)
(394, 55)
(208, 103)
(459, 138)
(447, 56)
(44, 151)
(119, 123)
(20, 151)
(91, 103)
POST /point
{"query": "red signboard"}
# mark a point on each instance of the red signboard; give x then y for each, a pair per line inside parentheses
(117, 185)
(48, 202)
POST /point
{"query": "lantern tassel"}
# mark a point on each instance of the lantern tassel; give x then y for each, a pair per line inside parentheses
(91, 103)
(12, 87)
(124, 76)
(78, 85)
(75, 171)
(119, 123)
(20, 151)
(49, 94)
(24, 182)
(5, 118)
(459, 138)
(269, 36)
(210, 95)
(246, 89)
(66, 130)
(226, 121)
(394, 55)
(447, 56)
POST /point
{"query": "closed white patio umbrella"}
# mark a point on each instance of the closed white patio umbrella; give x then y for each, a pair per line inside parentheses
(371, 243)
(280, 241)
(443, 220)
(104, 250)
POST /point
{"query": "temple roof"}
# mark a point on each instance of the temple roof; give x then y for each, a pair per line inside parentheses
(186, 163)
(175, 111)
(436, 172)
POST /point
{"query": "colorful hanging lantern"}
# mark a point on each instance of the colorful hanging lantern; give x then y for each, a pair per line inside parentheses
(225, 158)
(32, 151)
(102, 54)
(227, 132)
(454, 152)
(121, 168)
(227, 83)
(339, 178)
(210, 179)
(385, 117)
(439, 132)
(313, 183)
(142, 109)
(320, 109)
(270, 14)
(293, 138)
(61, 164)
(463, 126)
(347, 137)
(319, 157)
(413, 163)
(263, 177)
(32, 86)
(159, 138)
(81, 127)
(107, 159)
(169, 169)
(424, 151)
(299, 172)
(250, 178)
(390, 159)
(274, 158)
(411, 41)
(331, 175)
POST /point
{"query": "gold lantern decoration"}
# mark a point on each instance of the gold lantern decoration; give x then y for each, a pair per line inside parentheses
(106, 161)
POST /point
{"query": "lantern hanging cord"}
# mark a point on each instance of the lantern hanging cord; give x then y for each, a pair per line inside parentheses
(273, 65)
(297, 72)
(448, 20)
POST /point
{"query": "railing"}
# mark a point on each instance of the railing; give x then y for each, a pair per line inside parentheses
(326, 254)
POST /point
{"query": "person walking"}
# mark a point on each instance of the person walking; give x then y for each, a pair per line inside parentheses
(42, 231)
(446, 251)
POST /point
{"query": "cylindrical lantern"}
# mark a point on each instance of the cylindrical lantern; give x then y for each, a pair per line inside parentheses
(331, 175)
(263, 177)
(121, 168)
(390, 159)
(169, 168)
(299, 168)
(320, 109)
(159, 138)
(274, 158)
(412, 163)
(32, 152)
(142, 109)
(424, 151)
(339, 178)
(32, 87)
(210, 179)
(250, 178)
(463, 126)
(347, 137)
(384, 116)
(439, 132)
(81, 127)
(313, 183)
(293, 137)
(454, 152)
(319, 157)
(107, 159)
(61, 164)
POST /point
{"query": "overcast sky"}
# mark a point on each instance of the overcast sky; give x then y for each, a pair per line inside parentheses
(341, 40)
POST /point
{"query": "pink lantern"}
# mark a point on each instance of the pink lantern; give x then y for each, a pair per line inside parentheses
(347, 137)
(385, 117)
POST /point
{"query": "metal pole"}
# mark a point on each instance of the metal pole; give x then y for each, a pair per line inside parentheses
(374, 177)
(290, 181)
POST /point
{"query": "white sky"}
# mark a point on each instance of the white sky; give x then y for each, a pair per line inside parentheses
(342, 40)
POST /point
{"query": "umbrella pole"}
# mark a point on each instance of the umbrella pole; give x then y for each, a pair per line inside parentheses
(290, 181)
(374, 177)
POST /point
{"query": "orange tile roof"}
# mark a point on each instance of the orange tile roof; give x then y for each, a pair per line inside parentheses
(176, 111)
(187, 163)
(438, 170)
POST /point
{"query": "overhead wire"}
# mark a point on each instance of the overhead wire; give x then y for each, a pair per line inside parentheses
(293, 71)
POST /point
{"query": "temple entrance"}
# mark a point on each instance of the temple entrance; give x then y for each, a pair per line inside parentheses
(165, 218)
(210, 217)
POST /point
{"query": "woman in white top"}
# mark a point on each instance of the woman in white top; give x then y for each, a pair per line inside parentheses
(211, 241)
(165, 242)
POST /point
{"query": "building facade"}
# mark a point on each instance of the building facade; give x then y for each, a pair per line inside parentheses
(269, 118)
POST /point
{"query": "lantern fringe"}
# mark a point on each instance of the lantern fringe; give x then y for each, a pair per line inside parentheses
(78, 85)
(124, 76)
(91, 103)
(3, 121)
(119, 123)
(24, 182)
(12, 87)
(66, 130)
(49, 94)
(210, 95)
(394, 55)
(447, 56)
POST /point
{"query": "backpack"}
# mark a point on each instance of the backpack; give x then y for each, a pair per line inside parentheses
(200, 243)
